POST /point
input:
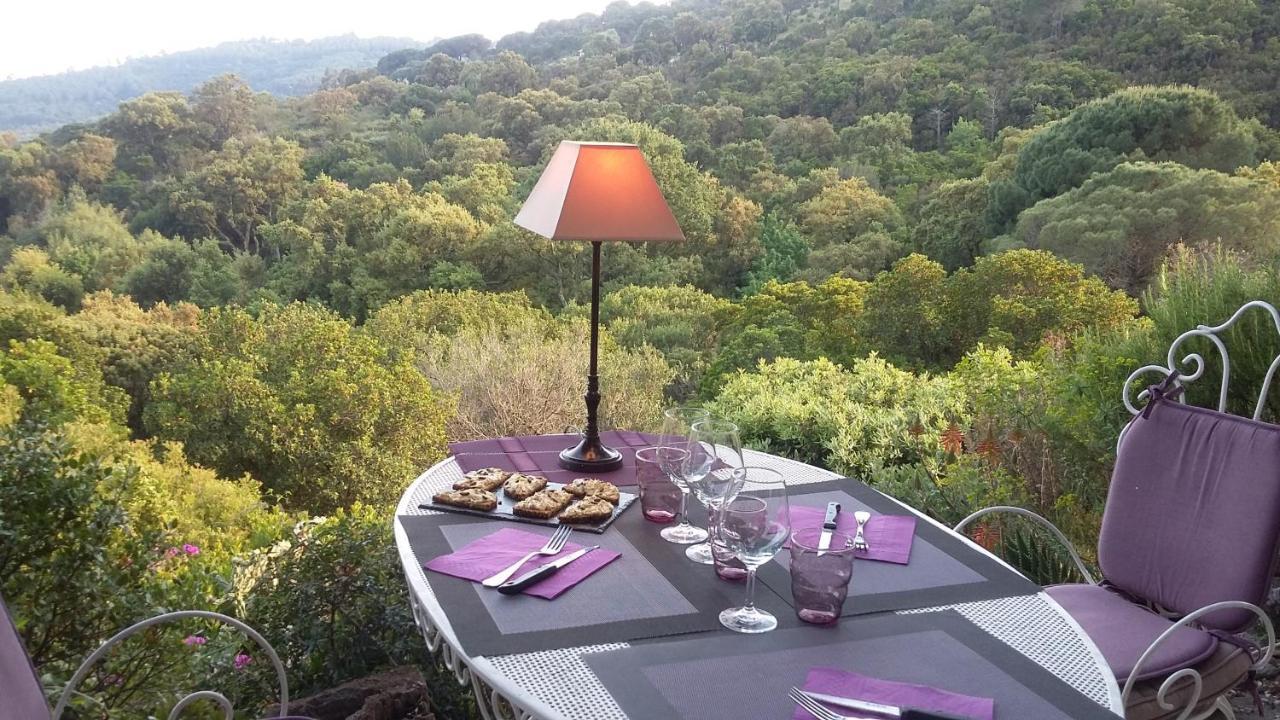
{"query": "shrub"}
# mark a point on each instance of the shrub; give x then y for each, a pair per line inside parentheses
(682, 323)
(332, 599)
(302, 400)
(852, 421)
(528, 377)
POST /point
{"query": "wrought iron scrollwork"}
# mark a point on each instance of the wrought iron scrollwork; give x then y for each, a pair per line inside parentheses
(217, 698)
(1183, 372)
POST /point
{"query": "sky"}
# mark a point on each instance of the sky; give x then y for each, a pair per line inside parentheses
(43, 37)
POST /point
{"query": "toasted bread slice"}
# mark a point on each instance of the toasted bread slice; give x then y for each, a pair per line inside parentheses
(591, 487)
(520, 486)
(473, 498)
(484, 479)
(544, 504)
(589, 509)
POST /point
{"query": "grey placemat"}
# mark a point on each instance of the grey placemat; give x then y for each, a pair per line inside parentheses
(943, 569)
(723, 676)
(651, 591)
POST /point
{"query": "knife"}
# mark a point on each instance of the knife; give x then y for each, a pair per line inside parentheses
(890, 711)
(540, 573)
(828, 526)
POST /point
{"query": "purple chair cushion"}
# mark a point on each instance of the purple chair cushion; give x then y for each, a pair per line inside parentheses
(1123, 630)
(20, 689)
(1193, 514)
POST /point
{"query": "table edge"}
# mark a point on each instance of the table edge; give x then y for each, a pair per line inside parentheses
(479, 664)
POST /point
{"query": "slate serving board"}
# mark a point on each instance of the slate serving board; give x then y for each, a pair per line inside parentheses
(505, 505)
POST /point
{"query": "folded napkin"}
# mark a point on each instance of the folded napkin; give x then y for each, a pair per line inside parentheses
(481, 558)
(831, 681)
(888, 537)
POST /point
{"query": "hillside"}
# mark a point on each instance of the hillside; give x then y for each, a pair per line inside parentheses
(285, 68)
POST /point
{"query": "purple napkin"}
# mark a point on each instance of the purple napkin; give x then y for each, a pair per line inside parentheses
(481, 558)
(888, 537)
(831, 681)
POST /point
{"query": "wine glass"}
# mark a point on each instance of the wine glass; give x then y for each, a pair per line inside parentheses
(711, 470)
(754, 525)
(677, 423)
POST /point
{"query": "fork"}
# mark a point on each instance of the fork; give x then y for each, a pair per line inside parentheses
(820, 711)
(554, 545)
(816, 709)
(859, 541)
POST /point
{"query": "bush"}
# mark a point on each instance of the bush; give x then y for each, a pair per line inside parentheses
(682, 323)
(853, 421)
(332, 599)
(528, 377)
(303, 401)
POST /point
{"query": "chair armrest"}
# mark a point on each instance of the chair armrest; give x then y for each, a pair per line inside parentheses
(1185, 621)
(1039, 520)
(210, 695)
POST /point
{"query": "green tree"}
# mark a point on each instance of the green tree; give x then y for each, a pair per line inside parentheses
(1120, 223)
(1178, 124)
(303, 401)
(241, 188)
(29, 270)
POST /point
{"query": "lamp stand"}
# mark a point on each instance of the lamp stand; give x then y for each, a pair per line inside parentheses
(591, 455)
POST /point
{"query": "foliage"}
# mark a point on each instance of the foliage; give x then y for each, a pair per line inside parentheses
(504, 385)
(682, 323)
(1178, 124)
(285, 68)
(300, 399)
(854, 421)
(1120, 224)
(332, 599)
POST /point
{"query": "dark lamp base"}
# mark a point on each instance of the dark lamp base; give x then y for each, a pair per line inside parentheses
(590, 455)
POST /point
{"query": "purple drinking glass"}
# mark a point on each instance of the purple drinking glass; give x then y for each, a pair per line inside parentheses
(728, 566)
(820, 578)
(659, 497)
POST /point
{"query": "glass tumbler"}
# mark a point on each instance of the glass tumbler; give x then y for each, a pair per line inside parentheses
(820, 578)
(660, 499)
(728, 566)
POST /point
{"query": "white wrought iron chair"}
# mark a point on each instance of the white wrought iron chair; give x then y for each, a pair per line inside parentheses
(22, 698)
(1189, 542)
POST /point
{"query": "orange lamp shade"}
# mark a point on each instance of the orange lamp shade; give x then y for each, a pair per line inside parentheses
(598, 191)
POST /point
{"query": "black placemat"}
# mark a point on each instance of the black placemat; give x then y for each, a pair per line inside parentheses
(505, 511)
(944, 570)
(725, 676)
(651, 591)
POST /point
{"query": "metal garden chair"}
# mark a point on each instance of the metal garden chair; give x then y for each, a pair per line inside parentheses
(22, 698)
(1188, 544)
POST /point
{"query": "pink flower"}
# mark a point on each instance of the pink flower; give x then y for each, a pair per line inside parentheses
(171, 552)
(113, 679)
(194, 640)
(241, 660)
(190, 549)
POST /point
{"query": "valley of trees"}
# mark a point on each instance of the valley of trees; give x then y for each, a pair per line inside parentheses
(927, 241)
(39, 104)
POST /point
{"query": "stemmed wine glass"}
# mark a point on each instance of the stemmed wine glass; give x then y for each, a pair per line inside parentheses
(677, 423)
(712, 470)
(754, 525)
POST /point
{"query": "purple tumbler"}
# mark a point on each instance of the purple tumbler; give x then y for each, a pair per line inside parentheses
(820, 578)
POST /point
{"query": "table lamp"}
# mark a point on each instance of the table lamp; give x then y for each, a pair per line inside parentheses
(597, 191)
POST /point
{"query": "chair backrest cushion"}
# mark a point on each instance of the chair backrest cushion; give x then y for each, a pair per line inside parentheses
(20, 692)
(1193, 513)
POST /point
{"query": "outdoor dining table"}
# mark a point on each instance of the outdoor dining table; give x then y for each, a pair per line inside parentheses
(961, 617)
